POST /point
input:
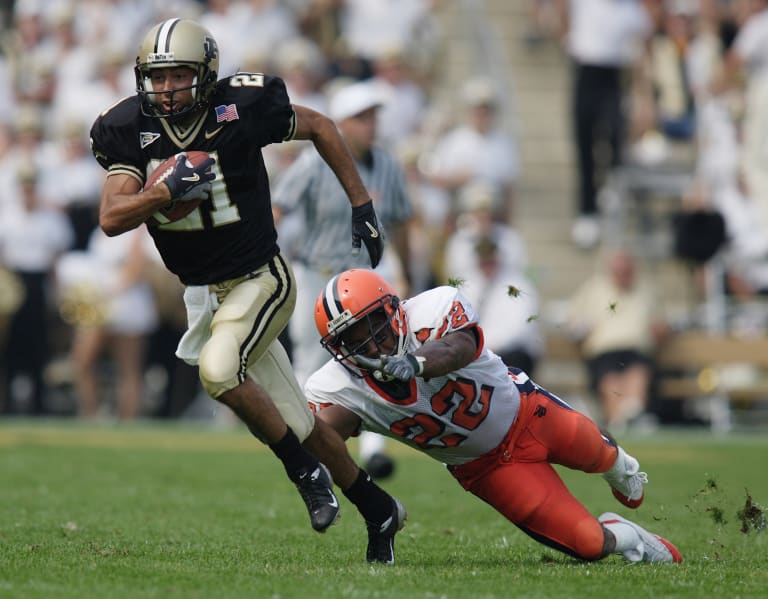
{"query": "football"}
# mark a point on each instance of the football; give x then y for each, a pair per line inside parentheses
(175, 210)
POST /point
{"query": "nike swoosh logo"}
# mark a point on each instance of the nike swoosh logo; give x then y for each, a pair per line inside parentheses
(372, 229)
(333, 502)
(210, 134)
(385, 525)
(194, 179)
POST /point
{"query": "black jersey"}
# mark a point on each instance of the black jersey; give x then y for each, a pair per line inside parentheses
(233, 233)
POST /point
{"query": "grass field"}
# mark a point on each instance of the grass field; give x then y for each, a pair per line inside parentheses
(174, 511)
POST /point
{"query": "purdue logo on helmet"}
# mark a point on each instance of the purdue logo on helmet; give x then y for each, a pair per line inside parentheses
(177, 43)
(348, 298)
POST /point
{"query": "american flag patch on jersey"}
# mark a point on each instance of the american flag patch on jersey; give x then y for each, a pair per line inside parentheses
(226, 113)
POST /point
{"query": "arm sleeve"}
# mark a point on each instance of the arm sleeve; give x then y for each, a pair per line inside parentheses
(273, 118)
(114, 148)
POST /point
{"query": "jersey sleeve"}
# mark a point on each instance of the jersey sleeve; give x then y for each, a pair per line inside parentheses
(271, 118)
(113, 141)
(331, 385)
(438, 312)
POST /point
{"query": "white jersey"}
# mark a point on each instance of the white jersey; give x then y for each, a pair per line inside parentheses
(454, 418)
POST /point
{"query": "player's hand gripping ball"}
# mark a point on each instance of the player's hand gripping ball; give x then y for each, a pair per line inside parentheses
(188, 176)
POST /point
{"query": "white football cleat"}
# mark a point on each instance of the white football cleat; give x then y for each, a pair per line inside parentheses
(626, 480)
(648, 546)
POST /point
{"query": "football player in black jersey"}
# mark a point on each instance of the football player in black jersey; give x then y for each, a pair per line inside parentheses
(225, 251)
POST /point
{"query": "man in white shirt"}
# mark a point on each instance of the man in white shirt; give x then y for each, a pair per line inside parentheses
(603, 39)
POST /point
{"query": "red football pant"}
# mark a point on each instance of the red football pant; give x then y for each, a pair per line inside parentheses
(519, 482)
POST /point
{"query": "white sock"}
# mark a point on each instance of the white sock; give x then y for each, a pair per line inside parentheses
(370, 443)
(628, 542)
(618, 466)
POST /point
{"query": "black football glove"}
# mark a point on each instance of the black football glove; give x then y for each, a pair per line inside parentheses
(188, 182)
(365, 229)
(385, 368)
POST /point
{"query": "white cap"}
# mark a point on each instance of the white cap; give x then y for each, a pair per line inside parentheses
(479, 92)
(352, 100)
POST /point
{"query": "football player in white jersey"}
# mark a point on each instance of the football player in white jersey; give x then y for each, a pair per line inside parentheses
(417, 370)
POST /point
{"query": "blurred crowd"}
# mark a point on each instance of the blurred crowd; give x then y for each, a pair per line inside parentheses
(89, 324)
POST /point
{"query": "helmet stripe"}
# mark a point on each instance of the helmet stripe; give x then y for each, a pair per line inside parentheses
(163, 41)
(331, 303)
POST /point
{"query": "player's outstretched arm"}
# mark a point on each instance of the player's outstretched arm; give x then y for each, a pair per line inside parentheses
(437, 357)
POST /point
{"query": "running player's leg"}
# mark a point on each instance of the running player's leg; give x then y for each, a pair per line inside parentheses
(252, 312)
(273, 371)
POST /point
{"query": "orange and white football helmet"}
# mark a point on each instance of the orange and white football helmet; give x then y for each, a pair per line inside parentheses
(353, 296)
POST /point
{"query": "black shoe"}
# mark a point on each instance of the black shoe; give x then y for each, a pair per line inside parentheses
(380, 466)
(381, 537)
(317, 492)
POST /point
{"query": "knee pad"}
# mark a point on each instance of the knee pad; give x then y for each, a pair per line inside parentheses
(219, 363)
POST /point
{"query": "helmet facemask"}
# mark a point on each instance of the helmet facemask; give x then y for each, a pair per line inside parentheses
(384, 329)
(360, 298)
(176, 43)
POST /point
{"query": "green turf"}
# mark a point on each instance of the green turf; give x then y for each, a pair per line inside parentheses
(151, 511)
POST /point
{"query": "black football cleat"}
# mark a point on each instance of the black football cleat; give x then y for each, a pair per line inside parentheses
(381, 537)
(316, 490)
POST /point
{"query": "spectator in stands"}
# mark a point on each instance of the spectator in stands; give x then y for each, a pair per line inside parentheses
(301, 64)
(746, 249)
(264, 26)
(29, 145)
(107, 297)
(114, 79)
(478, 203)
(75, 65)
(616, 317)
(319, 22)
(32, 55)
(604, 39)
(370, 27)
(403, 99)
(178, 385)
(432, 220)
(32, 236)
(225, 20)
(670, 66)
(488, 261)
(747, 61)
(73, 180)
(303, 67)
(478, 149)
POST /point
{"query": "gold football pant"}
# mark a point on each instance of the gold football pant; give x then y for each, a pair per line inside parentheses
(253, 310)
